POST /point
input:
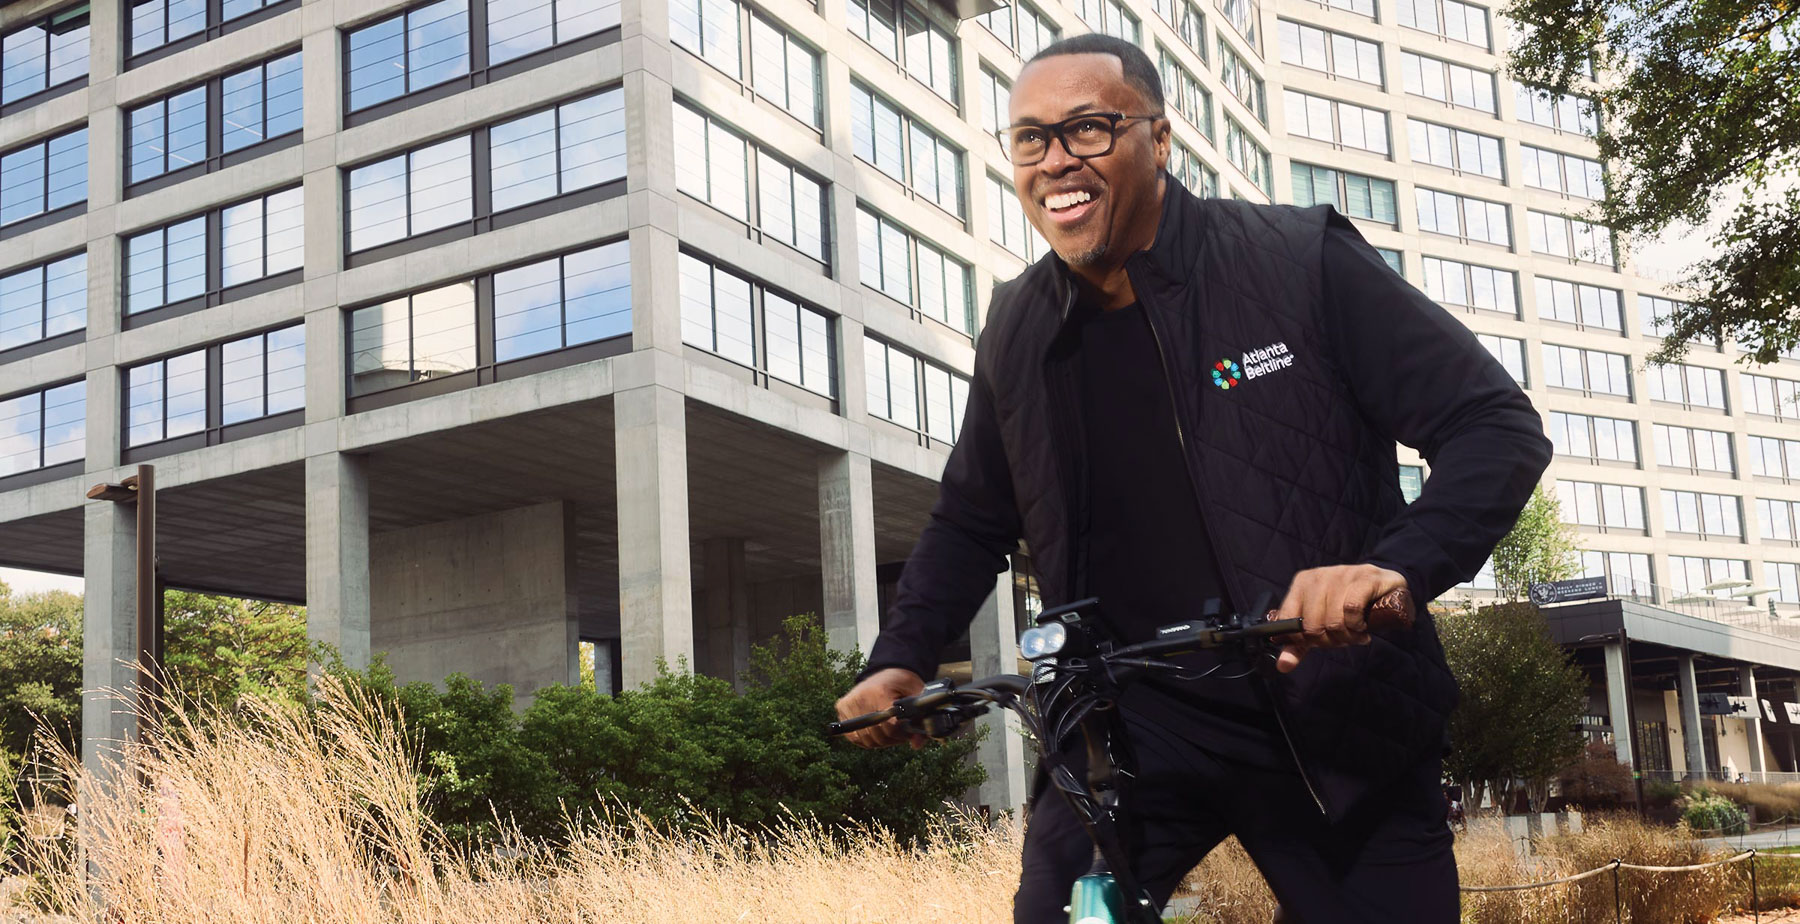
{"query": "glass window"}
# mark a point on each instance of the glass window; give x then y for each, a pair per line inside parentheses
(1338, 122)
(411, 193)
(43, 428)
(1693, 386)
(1568, 112)
(1412, 482)
(790, 205)
(798, 344)
(1690, 574)
(155, 23)
(1358, 196)
(262, 237)
(903, 148)
(1462, 216)
(168, 134)
(708, 28)
(424, 46)
(47, 53)
(1241, 81)
(575, 145)
(1471, 286)
(1780, 519)
(1111, 18)
(1186, 165)
(576, 298)
(784, 71)
(413, 338)
(1008, 226)
(1693, 449)
(165, 265)
(1190, 24)
(720, 311)
(43, 176)
(996, 94)
(1785, 575)
(1454, 148)
(1578, 304)
(1184, 92)
(1572, 238)
(1446, 82)
(40, 302)
(261, 102)
(1331, 52)
(1510, 351)
(930, 54)
(893, 377)
(1626, 574)
(1250, 158)
(519, 27)
(878, 23)
(263, 374)
(1245, 16)
(165, 398)
(1593, 438)
(1588, 370)
(716, 311)
(885, 252)
(1606, 506)
(1713, 515)
(1773, 457)
(1564, 173)
(1464, 22)
(1770, 396)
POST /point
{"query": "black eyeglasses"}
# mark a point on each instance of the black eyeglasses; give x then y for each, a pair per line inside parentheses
(1091, 134)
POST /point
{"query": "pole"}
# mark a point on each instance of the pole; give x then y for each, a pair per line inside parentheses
(1637, 752)
(1618, 913)
(149, 601)
(1755, 902)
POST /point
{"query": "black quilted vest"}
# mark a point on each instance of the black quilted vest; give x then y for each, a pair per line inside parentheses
(1289, 474)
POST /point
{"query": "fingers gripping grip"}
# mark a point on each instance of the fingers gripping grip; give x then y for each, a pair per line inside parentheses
(1394, 610)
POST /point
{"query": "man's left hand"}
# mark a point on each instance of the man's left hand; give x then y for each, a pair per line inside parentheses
(1331, 602)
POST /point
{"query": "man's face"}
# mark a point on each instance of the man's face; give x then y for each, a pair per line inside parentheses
(1120, 213)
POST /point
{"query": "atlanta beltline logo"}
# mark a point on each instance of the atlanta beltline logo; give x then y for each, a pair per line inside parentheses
(1228, 374)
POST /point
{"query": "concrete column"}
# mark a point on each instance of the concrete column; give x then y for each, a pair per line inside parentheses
(847, 551)
(109, 632)
(1618, 701)
(656, 596)
(994, 649)
(1687, 699)
(1753, 724)
(337, 554)
(725, 648)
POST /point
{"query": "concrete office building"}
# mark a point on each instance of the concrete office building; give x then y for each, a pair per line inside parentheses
(487, 327)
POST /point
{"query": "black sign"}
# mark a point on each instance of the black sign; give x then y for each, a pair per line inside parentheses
(1546, 593)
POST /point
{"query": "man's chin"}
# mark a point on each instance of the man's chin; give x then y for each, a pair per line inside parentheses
(1081, 255)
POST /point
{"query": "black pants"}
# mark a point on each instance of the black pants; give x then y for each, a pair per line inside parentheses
(1389, 861)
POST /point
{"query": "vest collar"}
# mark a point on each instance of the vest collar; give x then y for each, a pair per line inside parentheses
(1166, 263)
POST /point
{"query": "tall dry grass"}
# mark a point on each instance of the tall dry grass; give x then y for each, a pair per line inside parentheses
(264, 815)
(270, 816)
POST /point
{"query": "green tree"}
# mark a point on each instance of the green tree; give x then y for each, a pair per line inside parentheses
(1539, 547)
(1522, 700)
(40, 667)
(1701, 127)
(220, 648)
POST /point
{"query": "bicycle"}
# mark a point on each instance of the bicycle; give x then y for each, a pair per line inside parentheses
(1078, 673)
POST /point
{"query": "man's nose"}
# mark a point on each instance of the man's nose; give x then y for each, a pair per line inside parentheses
(1057, 159)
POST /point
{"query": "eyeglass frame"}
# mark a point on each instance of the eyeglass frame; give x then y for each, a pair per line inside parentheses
(1056, 132)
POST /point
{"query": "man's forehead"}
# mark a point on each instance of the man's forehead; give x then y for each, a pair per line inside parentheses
(1064, 85)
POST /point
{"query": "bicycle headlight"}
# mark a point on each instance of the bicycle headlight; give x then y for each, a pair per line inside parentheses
(1042, 641)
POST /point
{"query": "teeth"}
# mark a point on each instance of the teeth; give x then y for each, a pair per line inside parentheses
(1066, 200)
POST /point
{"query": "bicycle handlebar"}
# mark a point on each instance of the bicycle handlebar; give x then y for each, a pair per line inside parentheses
(1393, 610)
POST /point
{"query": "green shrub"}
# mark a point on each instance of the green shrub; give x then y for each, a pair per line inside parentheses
(1771, 800)
(9, 804)
(683, 749)
(1709, 813)
(1661, 792)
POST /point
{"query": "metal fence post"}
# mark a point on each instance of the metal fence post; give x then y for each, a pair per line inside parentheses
(1755, 900)
(1619, 914)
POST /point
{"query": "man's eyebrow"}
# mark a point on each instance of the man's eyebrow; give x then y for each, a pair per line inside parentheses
(1071, 112)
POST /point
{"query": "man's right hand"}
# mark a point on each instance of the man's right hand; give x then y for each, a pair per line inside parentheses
(875, 693)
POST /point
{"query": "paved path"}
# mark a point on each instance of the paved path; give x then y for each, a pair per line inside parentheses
(1760, 838)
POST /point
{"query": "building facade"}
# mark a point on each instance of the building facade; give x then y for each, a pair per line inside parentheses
(487, 328)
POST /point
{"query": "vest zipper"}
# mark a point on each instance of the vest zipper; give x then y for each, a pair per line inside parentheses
(1206, 522)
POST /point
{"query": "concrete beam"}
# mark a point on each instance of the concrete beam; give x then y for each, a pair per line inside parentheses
(847, 551)
(656, 597)
(337, 554)
(994, 649)
(1687, 698)
(1618, 702)
(1753, 722)
(109, 634)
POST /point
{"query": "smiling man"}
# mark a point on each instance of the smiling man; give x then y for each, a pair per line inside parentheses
(1199, 399)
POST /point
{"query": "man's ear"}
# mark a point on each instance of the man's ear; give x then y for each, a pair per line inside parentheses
(1163, 132)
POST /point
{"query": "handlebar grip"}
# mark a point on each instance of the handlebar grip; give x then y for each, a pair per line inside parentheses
(846, 726)
(1393, 611)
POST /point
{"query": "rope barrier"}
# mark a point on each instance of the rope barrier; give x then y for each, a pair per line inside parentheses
(1617, 865)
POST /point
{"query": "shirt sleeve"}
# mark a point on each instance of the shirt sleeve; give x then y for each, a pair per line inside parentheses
(1422, 378)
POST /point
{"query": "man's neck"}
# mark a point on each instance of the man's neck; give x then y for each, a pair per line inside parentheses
(1108, 285)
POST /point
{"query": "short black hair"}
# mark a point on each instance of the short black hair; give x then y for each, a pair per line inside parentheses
(1139, 72)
